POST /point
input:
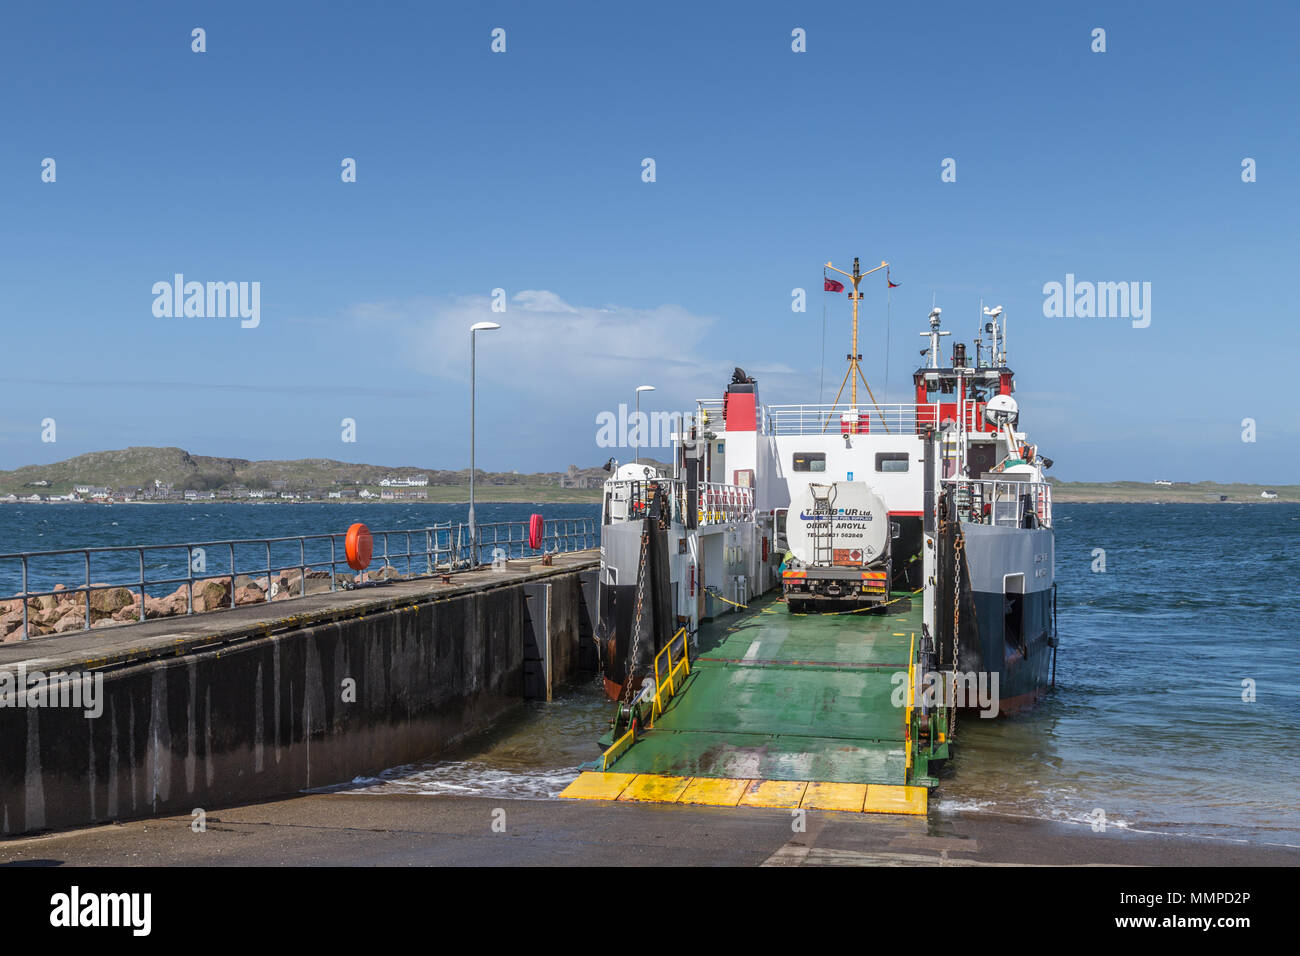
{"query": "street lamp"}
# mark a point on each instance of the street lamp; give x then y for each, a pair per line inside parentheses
(473, 528)
(636, 430)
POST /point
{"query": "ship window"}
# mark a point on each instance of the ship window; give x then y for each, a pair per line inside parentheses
(891, 461)
(809, 461)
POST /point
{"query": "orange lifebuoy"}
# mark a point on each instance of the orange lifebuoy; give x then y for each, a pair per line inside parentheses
(358, 546)
(535, 532)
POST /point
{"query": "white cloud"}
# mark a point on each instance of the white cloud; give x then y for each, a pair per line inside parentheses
(548, 347)
(539, 300)
(572, 361)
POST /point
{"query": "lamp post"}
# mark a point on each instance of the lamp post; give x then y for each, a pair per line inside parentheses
(473, 527)
(636, 429)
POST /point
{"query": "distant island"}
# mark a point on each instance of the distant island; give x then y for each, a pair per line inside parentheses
(1171, 492)
(144, 474)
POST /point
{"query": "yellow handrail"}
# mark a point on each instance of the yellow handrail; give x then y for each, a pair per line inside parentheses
(618, 747)
(911, 699)
(683, 664)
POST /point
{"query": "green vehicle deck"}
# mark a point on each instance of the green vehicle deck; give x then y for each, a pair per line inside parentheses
(816, 699)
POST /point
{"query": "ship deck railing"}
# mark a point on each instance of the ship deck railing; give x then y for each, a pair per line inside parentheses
(410, 553)
(1002, 502)
(865, 418)
(714, 503)
(862, 419)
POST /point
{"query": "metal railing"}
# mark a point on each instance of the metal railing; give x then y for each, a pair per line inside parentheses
(667, 685)
(850, 420)
(714, 503)
(718, 503)
(710, 413)
(1003, 503)
(414, 553)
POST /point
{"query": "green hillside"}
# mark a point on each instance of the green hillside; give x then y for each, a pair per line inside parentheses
(1191, 492)
(140, 467)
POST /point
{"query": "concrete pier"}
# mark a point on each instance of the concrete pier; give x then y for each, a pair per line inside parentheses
(267, 700)
(367, 829)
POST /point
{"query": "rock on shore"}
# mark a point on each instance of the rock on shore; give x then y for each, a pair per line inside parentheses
(65, 610)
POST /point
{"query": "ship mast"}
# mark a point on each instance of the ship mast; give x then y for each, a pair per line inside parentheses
(855, 359)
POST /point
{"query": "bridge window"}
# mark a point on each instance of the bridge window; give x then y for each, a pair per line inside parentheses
(809, 461)
(891, 461)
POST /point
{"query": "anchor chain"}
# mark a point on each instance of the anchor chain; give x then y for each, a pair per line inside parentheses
(958, 544)
(630, 660)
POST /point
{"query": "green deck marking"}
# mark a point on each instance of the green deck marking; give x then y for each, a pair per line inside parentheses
(776, 696)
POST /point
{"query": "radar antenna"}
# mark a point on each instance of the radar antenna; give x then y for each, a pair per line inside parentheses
(999, 356)
(934, 333)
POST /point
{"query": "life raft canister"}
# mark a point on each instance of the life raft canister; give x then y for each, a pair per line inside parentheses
(358, 547)
(535, 532)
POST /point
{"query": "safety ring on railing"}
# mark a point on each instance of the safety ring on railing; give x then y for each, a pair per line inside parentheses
(359, 546)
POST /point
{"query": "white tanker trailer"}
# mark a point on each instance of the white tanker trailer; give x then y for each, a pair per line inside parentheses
(838, 536)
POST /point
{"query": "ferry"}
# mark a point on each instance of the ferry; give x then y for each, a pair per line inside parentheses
(801, 609)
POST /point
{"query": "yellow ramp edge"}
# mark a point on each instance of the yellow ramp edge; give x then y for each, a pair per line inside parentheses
(835, 796)
(783, 794)
(653, 788)
(593, 785)
(714, 791)
(882, 798)
(732, 792)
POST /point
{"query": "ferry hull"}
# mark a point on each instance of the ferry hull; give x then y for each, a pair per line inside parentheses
(1010, 580)
(621, 572)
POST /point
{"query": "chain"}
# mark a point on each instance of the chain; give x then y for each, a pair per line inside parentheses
(957, 545)
(636, 625)
(713, 590)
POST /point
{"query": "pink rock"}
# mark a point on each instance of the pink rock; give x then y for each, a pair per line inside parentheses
(129, 613)
(157, 607)
(111, 601)
(212, 594)
(70, 622)
(250, 594)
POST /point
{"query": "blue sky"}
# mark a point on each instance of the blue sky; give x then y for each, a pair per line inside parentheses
(522, 171)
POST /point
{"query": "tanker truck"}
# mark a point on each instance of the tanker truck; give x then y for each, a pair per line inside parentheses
(838, 537)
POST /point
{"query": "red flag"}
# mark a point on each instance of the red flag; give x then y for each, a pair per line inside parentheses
(832, 286)
(892, 283)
